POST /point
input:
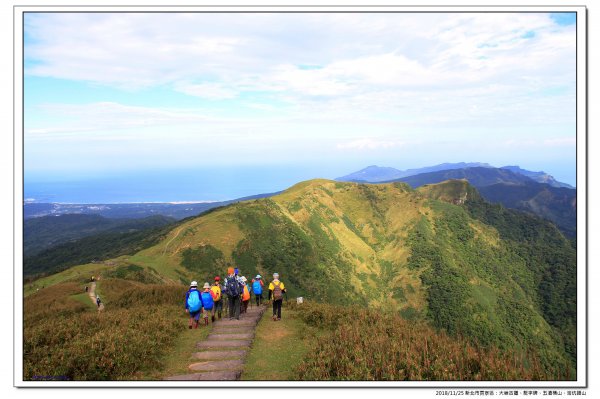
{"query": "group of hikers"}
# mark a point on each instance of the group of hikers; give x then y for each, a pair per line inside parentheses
(209, 301)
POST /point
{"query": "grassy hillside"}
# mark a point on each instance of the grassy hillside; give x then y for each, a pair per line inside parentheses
(513, 190)
(439, 255)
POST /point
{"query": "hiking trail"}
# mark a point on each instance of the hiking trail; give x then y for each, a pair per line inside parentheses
(171, 240)
(221, 355)
(92, 295)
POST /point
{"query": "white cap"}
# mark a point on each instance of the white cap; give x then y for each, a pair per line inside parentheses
(206, 285)
(194, 284)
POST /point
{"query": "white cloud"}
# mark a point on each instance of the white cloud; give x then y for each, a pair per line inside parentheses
(86, 118)
(561, 142)
(211, 91)
(538, 143)
(369, 144)
(377, 73)
(228, 53)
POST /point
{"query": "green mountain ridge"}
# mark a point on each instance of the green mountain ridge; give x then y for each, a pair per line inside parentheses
(47, 231)
(439, 254)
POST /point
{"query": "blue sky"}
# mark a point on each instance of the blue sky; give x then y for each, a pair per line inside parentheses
(109, 94)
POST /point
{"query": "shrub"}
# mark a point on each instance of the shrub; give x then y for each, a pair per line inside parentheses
(64, 337)
(371, 345)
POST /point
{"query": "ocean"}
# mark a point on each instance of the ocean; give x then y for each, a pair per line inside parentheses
(214, 184)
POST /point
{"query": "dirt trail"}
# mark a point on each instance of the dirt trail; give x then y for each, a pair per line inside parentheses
(171, 240)
(221, 355)
(92, 295)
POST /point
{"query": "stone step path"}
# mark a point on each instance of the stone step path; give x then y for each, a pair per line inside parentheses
(221, 355)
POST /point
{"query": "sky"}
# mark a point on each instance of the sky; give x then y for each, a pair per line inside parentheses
(275, 98)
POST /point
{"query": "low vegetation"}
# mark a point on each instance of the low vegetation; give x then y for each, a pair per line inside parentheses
(67, 339)
(367, 345)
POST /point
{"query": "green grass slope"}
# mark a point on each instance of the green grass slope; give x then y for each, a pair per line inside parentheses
(438, 255)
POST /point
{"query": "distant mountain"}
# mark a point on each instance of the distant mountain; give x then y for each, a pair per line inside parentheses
(540, 177)
(377, 174)
(133, 211)
(557, 204)
(478, 177)
(513, 190)
(373, 173)
(47, 231)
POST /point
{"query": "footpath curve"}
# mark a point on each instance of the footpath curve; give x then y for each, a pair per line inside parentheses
(221, 356)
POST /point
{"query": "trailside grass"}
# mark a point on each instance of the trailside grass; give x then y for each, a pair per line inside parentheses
(85, 299)
(129, 341)
(278, 347)
(80, 273)
(179, 357)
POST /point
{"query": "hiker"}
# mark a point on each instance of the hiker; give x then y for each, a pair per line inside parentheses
(217, 298)
(98, 301)
(233, 289)
(245, 295)
(208, 302)
(257, 289)
(276, 291)
(193, 304)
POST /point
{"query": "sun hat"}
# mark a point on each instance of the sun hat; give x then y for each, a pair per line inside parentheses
(193, 284)
(206, 285)
(258, 276)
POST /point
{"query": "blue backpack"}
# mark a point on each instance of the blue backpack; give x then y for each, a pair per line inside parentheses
(257, 288)
(233, 287)
(193, 301)
(207, 301)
